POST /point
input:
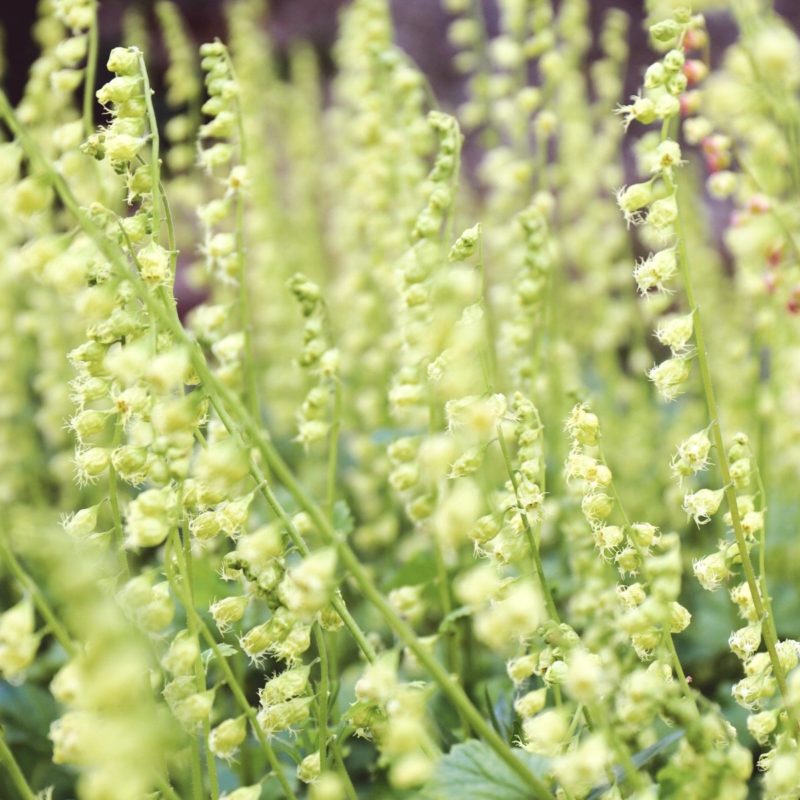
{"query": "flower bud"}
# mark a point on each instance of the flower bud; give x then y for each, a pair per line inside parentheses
(703, 504)
(226, 738)
(227, 611)
(669, 376)
(308, 769)
(182, 654)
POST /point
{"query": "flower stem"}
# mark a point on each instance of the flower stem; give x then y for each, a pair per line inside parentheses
(39, 600)
(323, 699)
(13, 770)
(244, 422)
(113, 500)
(229, 677)
(768, 631)
(90, 77)
(533, 547)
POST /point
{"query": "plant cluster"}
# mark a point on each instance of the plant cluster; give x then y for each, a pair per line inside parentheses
(445, 485)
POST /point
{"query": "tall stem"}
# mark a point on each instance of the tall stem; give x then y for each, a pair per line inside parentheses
(243, 421)
(667, 637)
(113, 500)
(90, 77)
(768, 630)
(229, 677)
(533, 546)
(13, 770)
(39, 600)
(323, 700)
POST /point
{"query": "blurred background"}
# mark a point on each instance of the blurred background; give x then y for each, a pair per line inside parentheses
(420, 29)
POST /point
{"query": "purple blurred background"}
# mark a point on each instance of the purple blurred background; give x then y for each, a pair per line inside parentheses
(420, 26)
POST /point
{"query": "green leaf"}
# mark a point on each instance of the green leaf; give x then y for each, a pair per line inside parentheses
(343, 518)
(225, 650)
(456, 614)
(421, 568)
(27, 712)
(640, 759)
(473, 771)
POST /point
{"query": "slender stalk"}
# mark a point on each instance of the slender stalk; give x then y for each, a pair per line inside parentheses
(39, 600)
(453, 649)
(13, 770)
(323, 699)
(667, 637)
(165, 787)
(223, 397)
(199, 672)
(113, 500)
(341, 769)
(489, 322)
(197, 769)
(155, 144)
(533, 547)
(333, 447)
(91, 75)
(245, 316)
(768, 630)
(230, 678)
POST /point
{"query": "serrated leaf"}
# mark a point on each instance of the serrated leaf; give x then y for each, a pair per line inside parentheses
(343, 521)
(639, 760)
(421, 568)
(455, 615)
(225, 650)
(473, 771)
(27, 712)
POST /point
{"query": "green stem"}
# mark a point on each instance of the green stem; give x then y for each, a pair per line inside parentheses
(197, 770)
(323, 699)
(166, 788)
(452, 644)
(341, 769)
(91, 74)
(230, 678)
(155, 144)
(113, 500)
(533, 547)
(224, 397)
(245, 317)
(762, 550)
(199, 671)
(768, 631)
(333, 447)
(488, 319)
(13, 770)
(39, 600)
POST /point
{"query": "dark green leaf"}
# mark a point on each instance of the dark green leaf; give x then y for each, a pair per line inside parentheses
(473, 771)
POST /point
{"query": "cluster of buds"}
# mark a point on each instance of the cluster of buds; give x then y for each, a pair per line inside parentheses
(284, 701)
(183, 87)
(654, 202)
(649, 609)
(318, 358)
(18, 640)
(149, 604)
(530, 288)
(393, 715)
(125, 136)
(666, 82)
(408, 395)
